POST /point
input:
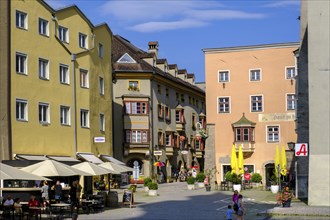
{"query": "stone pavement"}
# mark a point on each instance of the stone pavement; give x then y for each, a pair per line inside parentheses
(174, 199)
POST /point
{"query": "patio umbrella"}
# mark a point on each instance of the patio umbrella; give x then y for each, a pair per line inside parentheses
(283, 162)
(12, 173)
(233, 160)
(159, 164)
(240, 160)
(277, 160)
(92, 169)
(116, 167)
(53, 168)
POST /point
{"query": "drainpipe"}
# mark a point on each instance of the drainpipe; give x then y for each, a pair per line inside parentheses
(151, 130)
(74, 95)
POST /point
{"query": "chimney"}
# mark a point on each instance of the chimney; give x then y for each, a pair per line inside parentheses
(153, 47)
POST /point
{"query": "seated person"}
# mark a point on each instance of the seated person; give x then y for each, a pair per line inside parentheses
(18, 206)
(9, 201)
(33, 203)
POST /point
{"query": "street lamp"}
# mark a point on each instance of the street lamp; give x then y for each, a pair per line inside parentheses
(291, 145)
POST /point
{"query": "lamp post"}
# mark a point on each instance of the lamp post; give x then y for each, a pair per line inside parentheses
(291, 145)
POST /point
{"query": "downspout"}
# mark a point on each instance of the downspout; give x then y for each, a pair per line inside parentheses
(74, 95)
(152, 131)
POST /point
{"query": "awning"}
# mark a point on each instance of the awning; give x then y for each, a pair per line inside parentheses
(89, 157)
(108, 158)
(63, 159)
(30, 157)
(37, 158)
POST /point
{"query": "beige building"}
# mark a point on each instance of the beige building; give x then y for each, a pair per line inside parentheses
(250, 100)
(313, 102)
(156, 110)
(58, 82)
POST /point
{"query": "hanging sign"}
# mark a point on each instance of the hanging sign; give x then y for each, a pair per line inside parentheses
(99, 139)
(301, 150)
(158, 153)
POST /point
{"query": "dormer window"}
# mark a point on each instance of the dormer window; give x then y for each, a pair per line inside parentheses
(126, 59)
(244, 130)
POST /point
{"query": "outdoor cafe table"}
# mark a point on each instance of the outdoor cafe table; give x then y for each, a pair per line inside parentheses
(36, 210)
(88, 204)
(61, 206)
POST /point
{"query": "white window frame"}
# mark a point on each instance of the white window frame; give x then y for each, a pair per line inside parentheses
(43, 65)
(84, 118)
(253, 77)
(179, 116)
(83, 43)
(21, 63)
(65, 115)
(64, 74)
(262, 103)
(63, 34)
(102, 122)
(198, 144)
(136, 136)
(43, 27)
(290, 102)
(292, 74)
(223, 76)
(224, 106)
(21, 20)
(44, 113)
(21, 110)
(101, 85)
(84, 78)
(168, 139)
(274, 134)
(136, 107)
(101, 50)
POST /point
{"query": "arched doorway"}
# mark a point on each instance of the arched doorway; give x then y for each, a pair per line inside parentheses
(269, 173)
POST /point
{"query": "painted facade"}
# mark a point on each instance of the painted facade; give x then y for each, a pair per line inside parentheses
(250, 99)
(60, 81)
(156, 108)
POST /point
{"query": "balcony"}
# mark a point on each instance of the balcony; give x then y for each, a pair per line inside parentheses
(180, 126)
(247, 147)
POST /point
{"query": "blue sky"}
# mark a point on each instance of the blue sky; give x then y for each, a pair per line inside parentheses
(184, 27)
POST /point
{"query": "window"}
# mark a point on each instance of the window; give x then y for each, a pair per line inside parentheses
(167, 92)
(101, 52)
(273, 134)
(84, 83)
(198, 144)
(223, 105)
(177, 96)
(133, 85)
(21, 110)
(193, 120)
(291, 101)
(182, 97)
(168, 139)
(101, 85)
(82, 40)
(44, 113)
(138, 107)
(21, 20)
(290, 72)
(136, 136)
(84, 118)
(159, 89)
(63, 34)
(64, 74)
(160, 111)
(43, 69)
(167, 114)
(21, 63)
(255, 75)
(65, 115)
(223, 76)
(43, 27)
(256, 103)
(179, 116)
(102, 122)
(244, 134)
(126, 59)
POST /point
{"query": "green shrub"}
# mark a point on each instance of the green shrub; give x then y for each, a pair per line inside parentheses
(256, 178)
(152, 186)
(200, 177)
(132, 187)
(229, 176)
(190, 180)
(236, 179)
(146, 181)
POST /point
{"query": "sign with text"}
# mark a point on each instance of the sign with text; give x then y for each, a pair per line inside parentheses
(301, 150)
(277, 117)
(99, 139)
(158, 153)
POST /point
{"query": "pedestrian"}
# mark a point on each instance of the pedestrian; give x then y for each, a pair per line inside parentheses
(241, 210)
(79, 189)
(57, 191)
(235, 199)
(229, 213)
(45, 193)
(73, 193)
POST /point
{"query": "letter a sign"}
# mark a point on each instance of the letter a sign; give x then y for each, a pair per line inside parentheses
(301, 150)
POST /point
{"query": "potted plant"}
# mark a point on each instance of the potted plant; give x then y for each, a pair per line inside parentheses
(191, 183)
(152, 188)
(200, 180)
(146, 182)
(132, 187)
(274, 187)
(237, 181)
(256, 179)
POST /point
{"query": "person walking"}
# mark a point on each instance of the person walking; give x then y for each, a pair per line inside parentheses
(241, 210)
(235, 199)
(57, 191)
(229, 213)
(45, 193)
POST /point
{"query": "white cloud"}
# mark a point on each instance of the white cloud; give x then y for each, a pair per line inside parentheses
(278, 4)
(163, 26)
(223, 14)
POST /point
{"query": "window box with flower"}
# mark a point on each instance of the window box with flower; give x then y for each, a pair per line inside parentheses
(284, 198)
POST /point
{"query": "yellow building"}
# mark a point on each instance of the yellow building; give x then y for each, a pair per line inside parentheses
(250, 100)
(60, 82)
